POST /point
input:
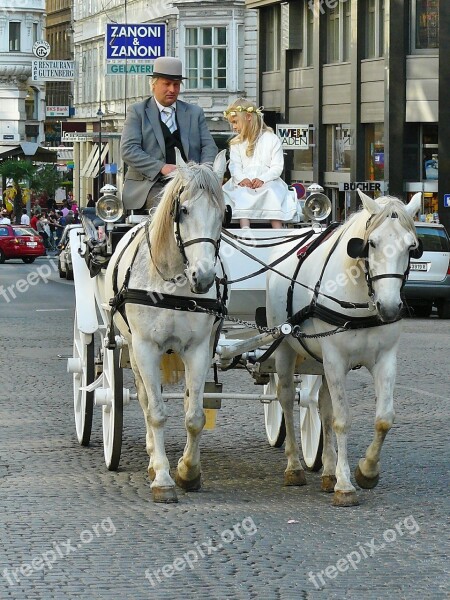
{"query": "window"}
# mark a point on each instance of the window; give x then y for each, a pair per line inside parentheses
(240, 55)
(270, 28)
(425, 20)
(374, 29)
(14, 37)
(338, 33)
(35, 32)
(375, 151)
(206, 57)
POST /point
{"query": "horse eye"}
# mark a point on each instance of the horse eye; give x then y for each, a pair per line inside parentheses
(184, 210)
(372, 244)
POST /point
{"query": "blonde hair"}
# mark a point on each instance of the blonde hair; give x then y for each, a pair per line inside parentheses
(251, 128)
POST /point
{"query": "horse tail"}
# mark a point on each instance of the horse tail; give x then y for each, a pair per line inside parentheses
(172, 368)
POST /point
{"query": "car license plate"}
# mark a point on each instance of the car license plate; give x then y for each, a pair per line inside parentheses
(418, 266)
(33, 244)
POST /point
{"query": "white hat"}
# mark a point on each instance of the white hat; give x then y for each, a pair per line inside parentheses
(168, 67)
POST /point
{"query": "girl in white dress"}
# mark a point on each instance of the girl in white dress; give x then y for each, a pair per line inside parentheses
(255, 189)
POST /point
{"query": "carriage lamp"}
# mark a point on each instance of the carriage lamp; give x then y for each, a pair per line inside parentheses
(109, 206)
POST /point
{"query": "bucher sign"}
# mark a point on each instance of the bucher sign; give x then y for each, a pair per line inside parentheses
(52, 70)
(364, 186)
(146, 41)
(294, 137)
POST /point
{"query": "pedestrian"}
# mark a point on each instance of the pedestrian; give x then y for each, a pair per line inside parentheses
(70, 220)
(37, 207)
(42, 230)
(65, 208)
(90, 201)
(24, 219)
(256, 189)
(4, 219)
(33, 221)
(154, 128)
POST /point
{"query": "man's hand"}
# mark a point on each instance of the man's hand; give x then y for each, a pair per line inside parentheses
(257, 183)
(245, 183)
(167, 169)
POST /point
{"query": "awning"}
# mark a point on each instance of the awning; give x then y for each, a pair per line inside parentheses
(65, 154)
(29, 150)
(90, 167)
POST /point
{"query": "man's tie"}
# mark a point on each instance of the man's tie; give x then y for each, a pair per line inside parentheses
(168, 117)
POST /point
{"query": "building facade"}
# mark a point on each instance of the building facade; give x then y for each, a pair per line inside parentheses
(22, 101)
(366, 78)
(216, 40)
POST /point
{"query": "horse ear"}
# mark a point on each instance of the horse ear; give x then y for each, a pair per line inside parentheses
(179, 159)
(356, 248)
(414, 204)
(220, 164)
(369, 203)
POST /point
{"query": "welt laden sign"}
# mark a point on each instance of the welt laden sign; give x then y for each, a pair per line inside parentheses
(293, 137)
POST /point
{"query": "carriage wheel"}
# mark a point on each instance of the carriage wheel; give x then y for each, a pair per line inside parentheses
(112, 411)
(83, 369)
(311, 434)
(273, 415)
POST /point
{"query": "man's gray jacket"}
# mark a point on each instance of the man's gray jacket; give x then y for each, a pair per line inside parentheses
(144, 151)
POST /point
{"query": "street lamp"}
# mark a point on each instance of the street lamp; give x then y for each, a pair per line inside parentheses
(99, 115)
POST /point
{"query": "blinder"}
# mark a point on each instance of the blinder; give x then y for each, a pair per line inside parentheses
(416, 252)
(227, 216)
(356, 248)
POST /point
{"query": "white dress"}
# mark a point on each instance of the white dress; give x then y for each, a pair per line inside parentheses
(272, 201)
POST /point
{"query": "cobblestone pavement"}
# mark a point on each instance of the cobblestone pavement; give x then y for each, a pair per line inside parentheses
(71, 529)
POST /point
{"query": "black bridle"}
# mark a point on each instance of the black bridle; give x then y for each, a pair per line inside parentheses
(177, 211)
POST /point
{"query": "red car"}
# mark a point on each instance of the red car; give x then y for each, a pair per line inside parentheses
(20, 241)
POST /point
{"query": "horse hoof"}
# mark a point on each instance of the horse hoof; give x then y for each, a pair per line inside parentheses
(345, 499)
(328, 483)
(294, 477)
(151, 473)
(366, 483)
(191, 485)
(164, 495)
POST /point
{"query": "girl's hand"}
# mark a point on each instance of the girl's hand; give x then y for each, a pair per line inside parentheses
(246, 183)
(257, 183)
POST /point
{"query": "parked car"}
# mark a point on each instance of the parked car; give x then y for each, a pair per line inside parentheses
(64, 257)
(428, 283)
(20, 241)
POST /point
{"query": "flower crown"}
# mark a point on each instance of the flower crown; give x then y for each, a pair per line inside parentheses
(232, 111)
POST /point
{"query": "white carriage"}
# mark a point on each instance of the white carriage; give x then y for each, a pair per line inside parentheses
(366, 260)
(98, 370)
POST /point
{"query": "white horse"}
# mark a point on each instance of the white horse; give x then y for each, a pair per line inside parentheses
(363, 263)
(174, 260)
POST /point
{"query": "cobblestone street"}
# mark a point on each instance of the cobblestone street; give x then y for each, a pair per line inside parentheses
(72, 529)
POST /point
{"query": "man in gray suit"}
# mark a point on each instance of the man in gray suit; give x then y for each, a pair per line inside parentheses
(153, 129)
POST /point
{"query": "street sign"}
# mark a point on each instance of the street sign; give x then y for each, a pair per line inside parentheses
(299, 189)
(56, 111)
(364, 186)
(447, 200)
(41, 49)
(146, 41)
(52, 70)
(293, 137)
(135, 68)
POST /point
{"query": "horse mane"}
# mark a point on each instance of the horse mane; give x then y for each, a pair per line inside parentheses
(190, 179)
(359, 225)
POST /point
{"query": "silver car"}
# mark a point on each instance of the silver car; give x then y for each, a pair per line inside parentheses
(428, 283)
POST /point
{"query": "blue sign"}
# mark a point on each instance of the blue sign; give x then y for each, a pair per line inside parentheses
(447, 200)
(146, 41)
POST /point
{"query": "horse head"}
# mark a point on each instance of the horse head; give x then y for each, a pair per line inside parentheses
(388, 241)
(197, 211)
